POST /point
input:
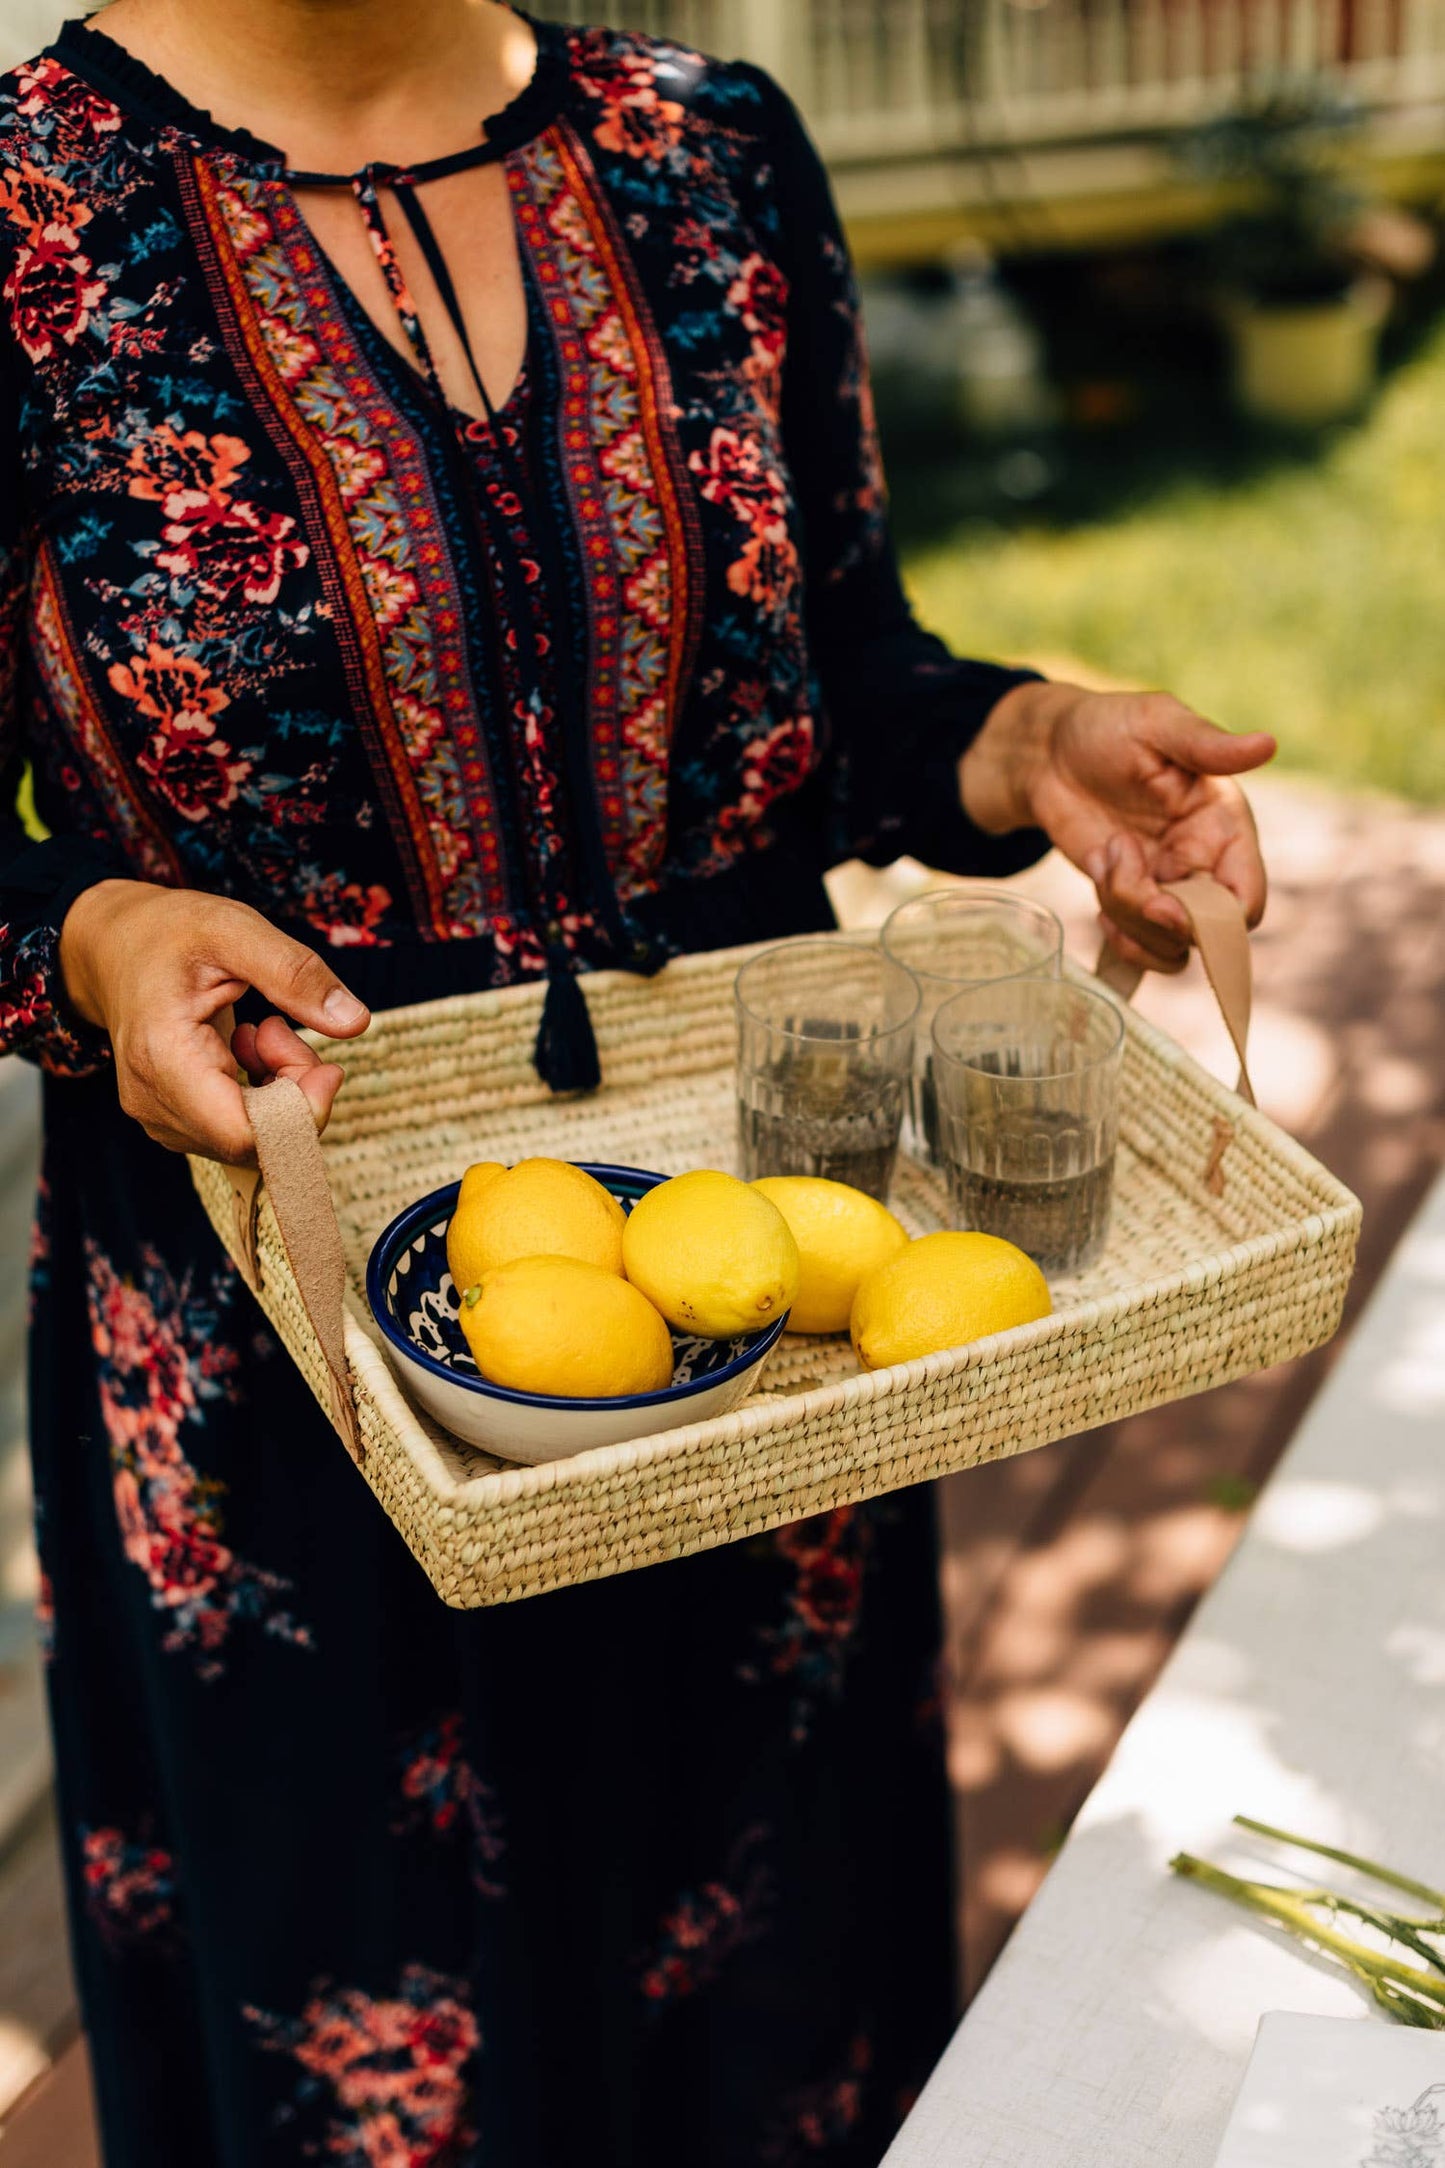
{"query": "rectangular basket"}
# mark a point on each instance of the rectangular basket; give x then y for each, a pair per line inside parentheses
(1231, 1250)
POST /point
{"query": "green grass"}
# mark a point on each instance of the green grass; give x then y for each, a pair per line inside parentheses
(1302, 593)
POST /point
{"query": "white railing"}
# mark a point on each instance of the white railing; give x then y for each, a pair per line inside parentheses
(895, 79)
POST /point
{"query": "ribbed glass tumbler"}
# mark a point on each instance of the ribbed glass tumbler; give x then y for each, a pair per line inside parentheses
(1027, 1074)
(957, 937)
(825, 1053)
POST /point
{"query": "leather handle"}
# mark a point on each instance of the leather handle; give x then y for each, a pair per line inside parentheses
(293, 1175)
(1222, 938)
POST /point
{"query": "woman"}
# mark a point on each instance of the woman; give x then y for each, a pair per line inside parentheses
(453, 573)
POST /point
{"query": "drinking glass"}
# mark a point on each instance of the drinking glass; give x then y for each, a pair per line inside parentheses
(1027, 1072)
(957, 937)
(825, 1052)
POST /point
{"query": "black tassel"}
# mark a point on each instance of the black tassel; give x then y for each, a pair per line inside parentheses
(566, 1050)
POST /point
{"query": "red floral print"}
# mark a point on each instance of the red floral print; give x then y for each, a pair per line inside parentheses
(46, 90)
(24, 1003)
(830, 1573)
(169, 687)
(819, 2117)
(355, 913)
(129, 1886)
(177, 468)
(29, 980)
(441, 1792)
(226, 546)
(637, 121)
(52, 290)
(706, 1925)
(191, 767)
(42, 205)
(773, 766)
(758, 296)
(810, 1650)
(393, 591)
(391, 2070)
(162, 1356)
(736, 474)
(219, 543)
(52, 287)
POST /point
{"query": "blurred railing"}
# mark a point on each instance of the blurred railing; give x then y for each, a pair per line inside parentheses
(893, 79)
(942, 117)
(889, 80)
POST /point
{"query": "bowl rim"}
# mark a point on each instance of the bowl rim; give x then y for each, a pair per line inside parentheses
(389, 1242)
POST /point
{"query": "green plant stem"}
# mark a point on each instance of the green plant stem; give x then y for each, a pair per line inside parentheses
(1388, 1980)
(1401, 1930)
(1397, 1927)
(1372, 1868)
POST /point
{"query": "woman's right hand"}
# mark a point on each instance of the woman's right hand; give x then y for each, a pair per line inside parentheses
(159, 969)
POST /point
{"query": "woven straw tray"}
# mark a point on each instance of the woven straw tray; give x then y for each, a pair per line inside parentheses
(1231, 1249)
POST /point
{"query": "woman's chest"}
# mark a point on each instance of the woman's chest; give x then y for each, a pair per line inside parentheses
(286, 581)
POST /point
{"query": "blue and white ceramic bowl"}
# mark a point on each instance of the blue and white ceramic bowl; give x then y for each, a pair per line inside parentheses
(416, 1306)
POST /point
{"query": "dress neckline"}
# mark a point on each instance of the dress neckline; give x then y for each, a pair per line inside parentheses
(99, 60)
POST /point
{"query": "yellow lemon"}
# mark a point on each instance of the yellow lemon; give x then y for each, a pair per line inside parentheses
(841, 1235)
(943, 1291)
(463, 1256)
(555, 1325)
(715, 1257)
(539, 1208)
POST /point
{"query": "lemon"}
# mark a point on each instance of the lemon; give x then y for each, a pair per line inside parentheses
(714, 1256)
(463, 1257)
(558, 1326)
(841, 1235)
(943, 1291)
(539, 1208)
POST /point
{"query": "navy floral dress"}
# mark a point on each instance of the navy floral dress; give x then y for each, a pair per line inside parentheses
(650, 1872)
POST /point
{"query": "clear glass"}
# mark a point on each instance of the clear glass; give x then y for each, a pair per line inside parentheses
(1027, 1073)
(825, 1054)
(957, 937)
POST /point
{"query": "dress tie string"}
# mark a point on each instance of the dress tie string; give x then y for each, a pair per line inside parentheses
(366, 187)
(566, 1054)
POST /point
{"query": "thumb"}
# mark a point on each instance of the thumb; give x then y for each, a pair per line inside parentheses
(247, 948)
(1202, 748)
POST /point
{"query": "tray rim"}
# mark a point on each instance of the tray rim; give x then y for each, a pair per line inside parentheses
(494, 1488)
(465, 1500)
(509, 1486)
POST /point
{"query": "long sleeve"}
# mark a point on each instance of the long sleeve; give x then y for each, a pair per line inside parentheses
(38, 880)
(900, 709)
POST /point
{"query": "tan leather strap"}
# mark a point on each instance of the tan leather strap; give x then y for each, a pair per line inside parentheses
(294, 1177)
(1222, 939)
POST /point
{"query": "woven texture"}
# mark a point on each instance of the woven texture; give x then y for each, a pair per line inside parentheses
(1231, 1250)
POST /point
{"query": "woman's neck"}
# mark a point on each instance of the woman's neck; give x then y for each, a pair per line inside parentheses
(336, 83)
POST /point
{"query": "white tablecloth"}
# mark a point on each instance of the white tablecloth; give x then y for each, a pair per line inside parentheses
(1308, 1692)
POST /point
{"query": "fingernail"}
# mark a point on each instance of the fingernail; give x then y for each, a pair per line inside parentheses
(1111, 854)
(1094, 866)
(342, 1009)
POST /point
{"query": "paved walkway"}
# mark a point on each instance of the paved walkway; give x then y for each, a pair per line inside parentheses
(1069, 1573)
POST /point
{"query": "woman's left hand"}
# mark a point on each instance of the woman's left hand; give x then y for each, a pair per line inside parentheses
(1136, 789)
